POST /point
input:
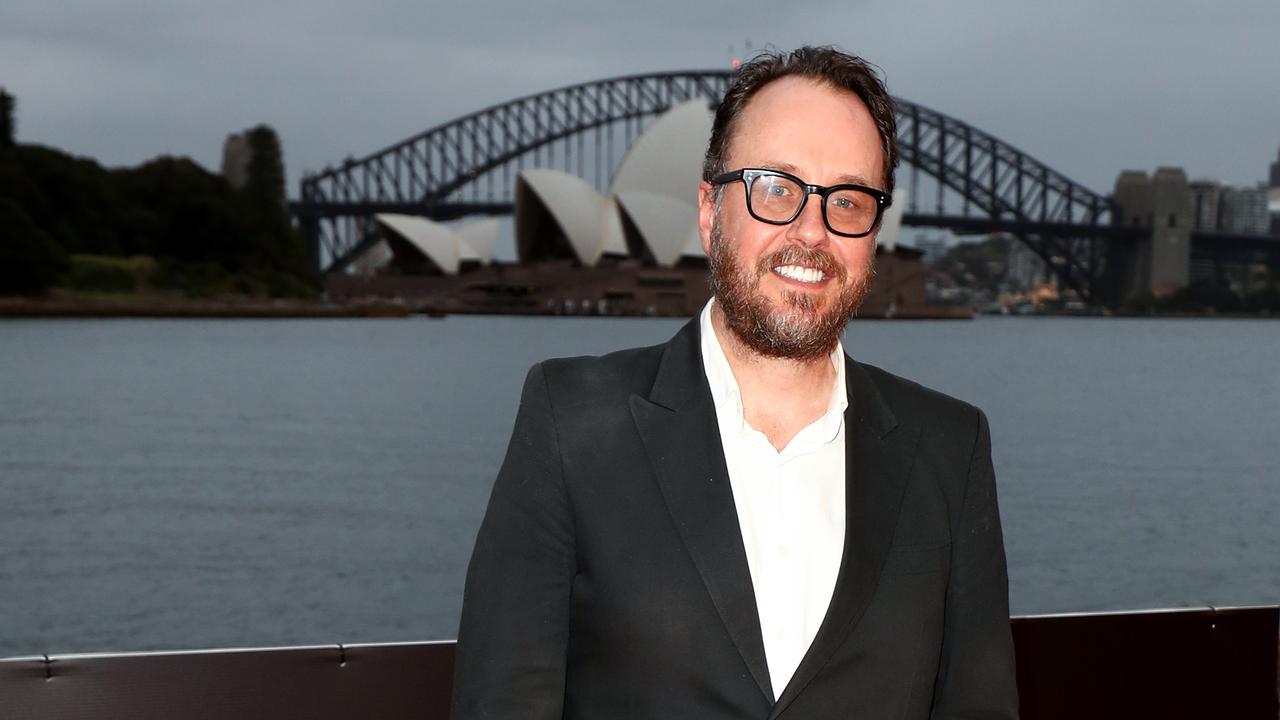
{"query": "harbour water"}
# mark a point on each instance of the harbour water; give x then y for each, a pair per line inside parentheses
(204, 483)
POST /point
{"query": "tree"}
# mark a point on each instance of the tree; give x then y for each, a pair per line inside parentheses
(265, 178)
(279, 246)
(977, 264)
(30, 260)
(8, 128)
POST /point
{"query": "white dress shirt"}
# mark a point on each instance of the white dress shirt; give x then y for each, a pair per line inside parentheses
(790, 508)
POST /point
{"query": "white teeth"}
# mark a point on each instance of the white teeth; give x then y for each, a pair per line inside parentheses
(803, 274)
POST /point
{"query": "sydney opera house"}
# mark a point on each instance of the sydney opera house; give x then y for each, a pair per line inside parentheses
(632, 251)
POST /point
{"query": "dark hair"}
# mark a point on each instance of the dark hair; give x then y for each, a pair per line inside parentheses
(825, 65)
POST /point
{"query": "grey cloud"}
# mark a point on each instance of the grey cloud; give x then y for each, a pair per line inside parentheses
(1090, 87)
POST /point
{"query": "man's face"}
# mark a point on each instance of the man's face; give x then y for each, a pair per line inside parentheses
(763, 275)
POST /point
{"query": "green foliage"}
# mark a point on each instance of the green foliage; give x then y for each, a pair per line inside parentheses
(977, 264)
(97, 273)
(193, 278)
(69, 198)
(30, 260)
(1206, 297)
(165, 204)
(208, 237)
(265, 183)
(279, 246)
(8, 126)
(1265, 300)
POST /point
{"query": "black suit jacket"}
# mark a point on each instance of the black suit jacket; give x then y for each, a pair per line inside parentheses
(609, 577)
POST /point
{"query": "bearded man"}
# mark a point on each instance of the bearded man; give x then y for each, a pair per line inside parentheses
(744, 522)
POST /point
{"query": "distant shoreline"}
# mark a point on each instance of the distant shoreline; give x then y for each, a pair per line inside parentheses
(145, 306)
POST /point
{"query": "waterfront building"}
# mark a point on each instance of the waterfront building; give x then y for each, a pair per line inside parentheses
(1206, 198)
(1214, 207)
(1025, 270)
(1244, 210)
(1162, 202)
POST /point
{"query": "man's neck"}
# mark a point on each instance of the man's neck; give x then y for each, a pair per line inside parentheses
(779, 396)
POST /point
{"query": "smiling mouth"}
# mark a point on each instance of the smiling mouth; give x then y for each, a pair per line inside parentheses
(800, 273)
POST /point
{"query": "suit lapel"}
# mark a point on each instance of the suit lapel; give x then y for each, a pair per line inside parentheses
(677, 424)
(878, 459)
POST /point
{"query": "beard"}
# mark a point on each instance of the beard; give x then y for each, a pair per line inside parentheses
(797, 328)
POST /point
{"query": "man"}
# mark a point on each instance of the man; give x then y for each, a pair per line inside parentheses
(743, 522)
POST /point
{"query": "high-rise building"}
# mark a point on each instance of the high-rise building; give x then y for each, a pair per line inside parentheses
(1244, 210)
(1206, 195)
(1163, 203)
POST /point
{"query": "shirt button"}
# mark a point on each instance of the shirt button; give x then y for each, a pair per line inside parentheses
(782, 550)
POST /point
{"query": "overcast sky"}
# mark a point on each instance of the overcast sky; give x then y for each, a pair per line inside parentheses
(1088, 87)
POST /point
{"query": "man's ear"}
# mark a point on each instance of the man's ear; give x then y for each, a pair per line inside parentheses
(706, 214)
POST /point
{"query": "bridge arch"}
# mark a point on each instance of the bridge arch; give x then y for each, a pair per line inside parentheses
(467, 165)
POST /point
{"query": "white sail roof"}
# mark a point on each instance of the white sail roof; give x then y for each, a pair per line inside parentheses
(663, 222)
(445, 246)
(574, 205)
(656, 185)
(433, 239)
(477, 240)
(667, 157)
(615, 239)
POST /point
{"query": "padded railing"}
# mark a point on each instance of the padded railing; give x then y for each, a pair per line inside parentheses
(1200, 663)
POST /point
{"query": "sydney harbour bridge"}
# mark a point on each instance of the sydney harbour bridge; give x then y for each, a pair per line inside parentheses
(958, 176)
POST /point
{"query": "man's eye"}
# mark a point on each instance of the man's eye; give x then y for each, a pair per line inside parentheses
(778, 190)
(843, 203)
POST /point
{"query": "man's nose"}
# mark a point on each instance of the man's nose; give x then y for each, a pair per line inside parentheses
(808, 227)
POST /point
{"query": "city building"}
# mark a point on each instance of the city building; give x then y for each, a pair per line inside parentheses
(1025, 270)
(1206, 200)
(1162, 202)
(1244, 210)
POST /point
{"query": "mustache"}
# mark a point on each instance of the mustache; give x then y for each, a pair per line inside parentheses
(804, 256)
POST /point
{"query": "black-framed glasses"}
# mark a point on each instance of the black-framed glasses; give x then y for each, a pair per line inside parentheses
(777, 198)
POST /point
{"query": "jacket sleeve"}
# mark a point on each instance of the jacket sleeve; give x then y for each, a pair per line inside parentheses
(976, 678)
(514, 631)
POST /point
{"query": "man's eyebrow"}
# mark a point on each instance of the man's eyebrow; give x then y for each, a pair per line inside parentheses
(784, 167)
(846, 179)
(853, 180)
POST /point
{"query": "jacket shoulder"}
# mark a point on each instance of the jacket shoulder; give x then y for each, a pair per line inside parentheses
(596, 380)
(912, 402)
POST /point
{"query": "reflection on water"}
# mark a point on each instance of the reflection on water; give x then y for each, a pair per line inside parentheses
(169, 484)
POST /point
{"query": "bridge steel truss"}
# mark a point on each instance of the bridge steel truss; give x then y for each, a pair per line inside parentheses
(466, 166)
(1066, 224)
(429, 174)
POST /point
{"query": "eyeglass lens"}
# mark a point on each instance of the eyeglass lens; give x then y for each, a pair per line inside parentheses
(777, 198)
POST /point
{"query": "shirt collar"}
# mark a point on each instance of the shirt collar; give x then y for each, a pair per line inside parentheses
(728, 397)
